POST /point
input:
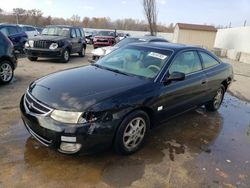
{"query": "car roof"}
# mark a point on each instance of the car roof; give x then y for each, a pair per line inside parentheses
(22, 25)
(67, 26)
(6, 24)
(167, 46)
(147, 38)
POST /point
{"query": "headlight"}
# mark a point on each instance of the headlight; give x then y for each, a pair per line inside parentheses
(53, 46)
(27, 45)
(98, 52)
(67, 117)
(31, 43)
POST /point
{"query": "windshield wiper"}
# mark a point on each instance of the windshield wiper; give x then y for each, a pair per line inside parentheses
(118, 71)
(96, 65)
(110, 69)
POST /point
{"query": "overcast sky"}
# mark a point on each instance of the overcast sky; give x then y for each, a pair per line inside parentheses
(189, 11)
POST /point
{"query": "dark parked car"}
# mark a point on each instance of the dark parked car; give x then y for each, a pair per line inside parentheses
(104, 38)
(16, 34)
(8, 61)
(100, 52)
(58, 42)
(115, 101)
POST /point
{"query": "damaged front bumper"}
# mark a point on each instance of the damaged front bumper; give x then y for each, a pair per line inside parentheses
(87, 138)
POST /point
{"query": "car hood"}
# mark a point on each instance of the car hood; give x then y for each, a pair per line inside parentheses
(47, 37)
(79, 88)
(104, 37)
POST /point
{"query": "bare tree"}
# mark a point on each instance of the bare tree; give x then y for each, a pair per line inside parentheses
(150, 11)
(75, 19)
(18, 12)
(36, 16)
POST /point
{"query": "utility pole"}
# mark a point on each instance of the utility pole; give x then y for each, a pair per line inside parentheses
(17, 21)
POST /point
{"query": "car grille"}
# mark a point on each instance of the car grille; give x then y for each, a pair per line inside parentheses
(35, 106)
(41, 139)
(42, 44)
(102, 40)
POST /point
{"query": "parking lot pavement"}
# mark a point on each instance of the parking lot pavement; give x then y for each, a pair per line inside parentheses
(241, 80)
(198, 149)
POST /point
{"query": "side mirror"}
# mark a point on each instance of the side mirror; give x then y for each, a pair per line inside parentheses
(175, 76)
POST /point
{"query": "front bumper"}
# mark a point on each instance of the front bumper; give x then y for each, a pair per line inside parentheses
(40, 52)
(92, 137)
(101, 44)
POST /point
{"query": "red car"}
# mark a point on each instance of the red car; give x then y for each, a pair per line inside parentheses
(104, 38)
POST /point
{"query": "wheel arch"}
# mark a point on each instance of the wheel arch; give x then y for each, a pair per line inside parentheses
(226, 83)
(6, 58)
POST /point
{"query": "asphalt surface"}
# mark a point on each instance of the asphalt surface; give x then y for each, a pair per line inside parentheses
(197, 149)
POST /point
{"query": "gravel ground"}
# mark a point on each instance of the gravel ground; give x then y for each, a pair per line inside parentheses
(240, 88)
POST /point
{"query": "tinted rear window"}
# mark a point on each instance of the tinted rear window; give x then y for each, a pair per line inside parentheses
(208, 60)
(12, 30)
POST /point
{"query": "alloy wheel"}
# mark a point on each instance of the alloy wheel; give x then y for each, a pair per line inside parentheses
(218, 98)
(134, 133)
(6, 72)
(66, 55)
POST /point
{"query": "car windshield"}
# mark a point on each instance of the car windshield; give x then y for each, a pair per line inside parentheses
(56, 31)
(135, 61)
(126, 41)
(105, 33)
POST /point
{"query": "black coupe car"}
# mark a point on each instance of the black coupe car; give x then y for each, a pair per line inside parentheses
(116, 101)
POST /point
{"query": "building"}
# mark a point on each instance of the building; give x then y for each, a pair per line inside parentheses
(200, 35)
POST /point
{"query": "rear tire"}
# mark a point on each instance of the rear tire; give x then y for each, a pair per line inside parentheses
(6, 72)
(65, 56)
(131, 133)
(33, 58)
(215, 103)
(82, 52)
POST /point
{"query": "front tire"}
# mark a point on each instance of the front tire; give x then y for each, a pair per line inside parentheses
(33, 58)
(215, 103)
(131, 133)
(6, 72)
(65, 56)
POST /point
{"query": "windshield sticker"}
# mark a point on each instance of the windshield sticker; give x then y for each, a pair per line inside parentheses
(157, 55)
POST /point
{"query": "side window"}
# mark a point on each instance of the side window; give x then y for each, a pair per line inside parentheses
(82, 32)
(78, 34)
(4, 31)
(12, 30)
(19, 29)
(25, 29)
(186, 62)
(73, 33)
(208, 60)
(31, 29)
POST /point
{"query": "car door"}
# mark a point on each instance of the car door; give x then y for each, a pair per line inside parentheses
(74, 41)
(79, 38)
(212, 73)
(179, 96)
